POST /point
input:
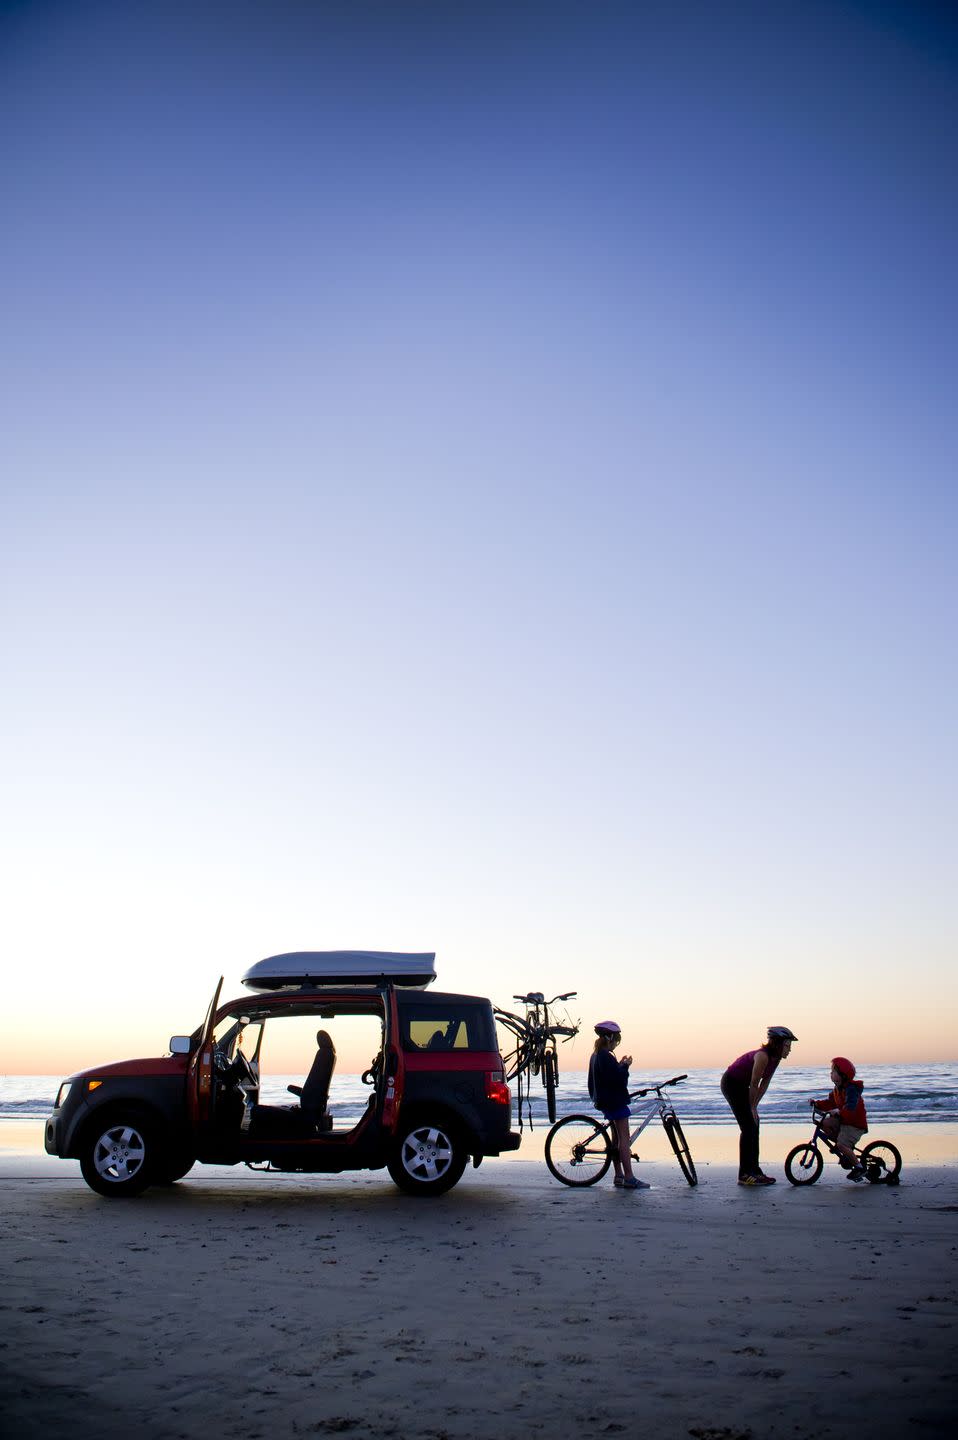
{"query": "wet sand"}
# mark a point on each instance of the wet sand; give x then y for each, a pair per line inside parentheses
(284, 1305)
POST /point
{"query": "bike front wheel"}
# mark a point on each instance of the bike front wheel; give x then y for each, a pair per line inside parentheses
(578, 1150)
(680, 1145)
(549, 1078)
(804, 1164)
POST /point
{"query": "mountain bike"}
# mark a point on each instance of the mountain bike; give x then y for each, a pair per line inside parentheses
(533, 1046)
(580, 1148)
(880, 1160)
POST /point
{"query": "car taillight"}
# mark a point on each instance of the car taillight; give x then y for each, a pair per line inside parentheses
(497, 1089)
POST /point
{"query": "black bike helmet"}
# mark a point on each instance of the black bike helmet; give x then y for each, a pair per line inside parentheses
(780, 1032)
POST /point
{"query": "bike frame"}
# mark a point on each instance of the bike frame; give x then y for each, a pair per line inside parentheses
(661, 1106)
(819, 1133)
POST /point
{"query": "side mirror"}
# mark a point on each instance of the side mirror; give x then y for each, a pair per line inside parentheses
(180, 1045)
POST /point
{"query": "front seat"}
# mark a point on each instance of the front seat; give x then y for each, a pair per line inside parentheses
(314, 1092)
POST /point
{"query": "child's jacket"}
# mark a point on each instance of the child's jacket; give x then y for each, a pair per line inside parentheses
(847, 1100)
(608, 1081)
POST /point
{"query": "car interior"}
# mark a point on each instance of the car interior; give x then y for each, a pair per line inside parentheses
(247, 1098)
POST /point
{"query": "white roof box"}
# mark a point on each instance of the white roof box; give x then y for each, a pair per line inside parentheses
(314, 968)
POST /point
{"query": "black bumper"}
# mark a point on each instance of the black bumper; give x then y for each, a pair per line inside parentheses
(512, 1141)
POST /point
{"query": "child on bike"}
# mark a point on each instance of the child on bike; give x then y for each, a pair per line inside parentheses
(845, 1121)
(609, 1091)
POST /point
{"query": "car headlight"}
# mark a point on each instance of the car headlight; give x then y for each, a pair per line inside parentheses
(62, 1094)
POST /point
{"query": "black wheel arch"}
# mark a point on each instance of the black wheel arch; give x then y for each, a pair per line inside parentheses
(114, 1109)
(439, 1113)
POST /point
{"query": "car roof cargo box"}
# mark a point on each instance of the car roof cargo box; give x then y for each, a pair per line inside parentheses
(315, 968)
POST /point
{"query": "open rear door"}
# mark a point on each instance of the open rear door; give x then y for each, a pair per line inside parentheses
(199, 1085)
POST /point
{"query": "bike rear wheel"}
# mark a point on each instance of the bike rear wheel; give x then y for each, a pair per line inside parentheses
(578, 1150)
(680, 1145)
(804, 1164)
(882, 1163)
(549, 1078)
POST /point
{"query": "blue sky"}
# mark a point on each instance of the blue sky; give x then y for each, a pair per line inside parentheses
(482, 478)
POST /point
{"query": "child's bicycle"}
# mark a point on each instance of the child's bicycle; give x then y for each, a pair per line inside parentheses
(880, 1160)
(579, 1149)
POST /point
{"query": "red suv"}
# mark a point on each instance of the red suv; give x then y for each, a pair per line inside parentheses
(437, 1085)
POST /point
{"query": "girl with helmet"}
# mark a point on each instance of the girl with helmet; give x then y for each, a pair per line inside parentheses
(609, 1089)
(743, 1085)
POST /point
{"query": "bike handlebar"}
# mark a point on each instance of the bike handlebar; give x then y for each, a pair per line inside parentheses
(676, 1079)
(536, 997)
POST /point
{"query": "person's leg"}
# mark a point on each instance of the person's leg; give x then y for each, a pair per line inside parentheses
(750, 1142)
(832, 1129)
(737, 1099)
(616, 1149)
(845, 1141)
(625, 1149)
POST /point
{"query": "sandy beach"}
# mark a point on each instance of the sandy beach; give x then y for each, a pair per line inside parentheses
(285, 1305)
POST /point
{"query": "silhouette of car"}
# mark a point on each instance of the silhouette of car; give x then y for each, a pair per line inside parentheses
(437, 1097)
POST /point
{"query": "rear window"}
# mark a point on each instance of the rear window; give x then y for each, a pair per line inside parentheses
(428, 1029)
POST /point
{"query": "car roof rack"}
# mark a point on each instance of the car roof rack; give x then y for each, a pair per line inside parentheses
(314, 969)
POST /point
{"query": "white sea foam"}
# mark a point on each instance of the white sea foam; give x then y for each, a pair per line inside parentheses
(893, 1094)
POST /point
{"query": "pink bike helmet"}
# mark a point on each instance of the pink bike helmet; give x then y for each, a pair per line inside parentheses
(608, 1027)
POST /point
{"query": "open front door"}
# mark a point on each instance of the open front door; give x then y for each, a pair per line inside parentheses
(199, 1083)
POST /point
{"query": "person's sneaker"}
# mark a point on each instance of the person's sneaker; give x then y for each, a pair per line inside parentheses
(634, 1183)
(756, 1180)
(619, 1181)
(856, 1173)
(769, 1179)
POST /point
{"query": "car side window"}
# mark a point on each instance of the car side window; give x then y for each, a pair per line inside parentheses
(432, 1030)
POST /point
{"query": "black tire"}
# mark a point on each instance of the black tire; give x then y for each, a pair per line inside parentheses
(549, 1081)
(428, 1158)
(680, 1145)
(804, 1164)
(882, 1162)
(120, 1154)
(578, 1150)
(170, 1170)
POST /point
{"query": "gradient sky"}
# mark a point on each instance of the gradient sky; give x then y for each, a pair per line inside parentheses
(481, 478)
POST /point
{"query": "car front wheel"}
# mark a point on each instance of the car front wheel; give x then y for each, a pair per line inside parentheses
(119, 1156)
(428, 1159)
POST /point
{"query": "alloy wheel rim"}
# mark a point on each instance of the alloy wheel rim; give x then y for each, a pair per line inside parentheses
(427, 1153)
(119, 1154)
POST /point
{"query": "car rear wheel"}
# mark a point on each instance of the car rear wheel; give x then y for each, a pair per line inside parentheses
(428, 1159)
(118, 1156)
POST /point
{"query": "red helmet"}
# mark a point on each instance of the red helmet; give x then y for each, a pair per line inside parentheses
(608, 1027)
(844, 1067)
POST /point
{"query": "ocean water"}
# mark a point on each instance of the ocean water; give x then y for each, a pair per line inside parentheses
(894, 1094)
